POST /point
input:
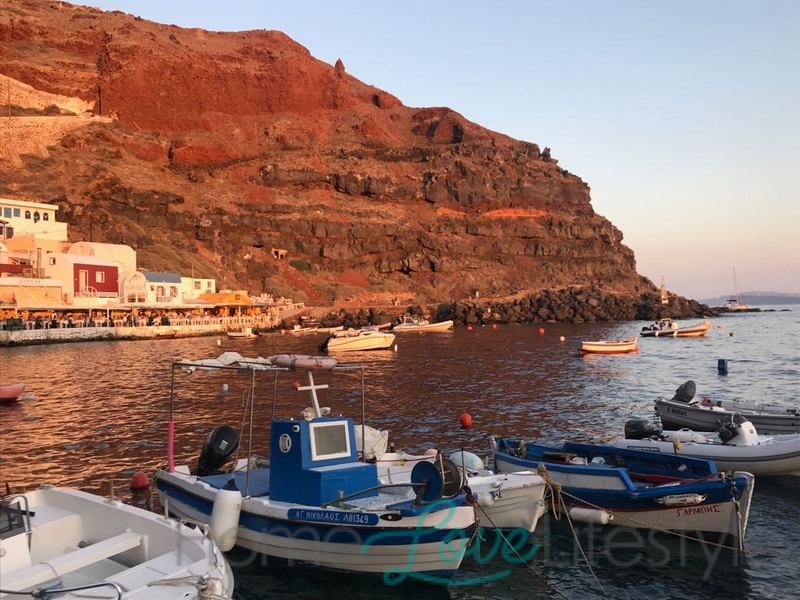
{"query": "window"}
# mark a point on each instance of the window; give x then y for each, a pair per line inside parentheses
(17, 212)
(46, 216)
(52, 260)
(36, 216)
(100, 277)
(329, 440)
(27, 214)
(197, 285)
(6, 212)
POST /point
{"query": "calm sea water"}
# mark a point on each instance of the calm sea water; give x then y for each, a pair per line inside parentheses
(100, 413)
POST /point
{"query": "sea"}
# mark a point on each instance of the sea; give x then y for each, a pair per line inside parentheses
(100, 410)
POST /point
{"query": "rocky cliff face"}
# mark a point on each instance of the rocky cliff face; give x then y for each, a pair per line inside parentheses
(208, 151)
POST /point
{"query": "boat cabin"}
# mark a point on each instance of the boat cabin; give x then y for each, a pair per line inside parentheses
(315, 461)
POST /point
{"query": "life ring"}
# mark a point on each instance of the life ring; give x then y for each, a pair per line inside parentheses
(303, 361)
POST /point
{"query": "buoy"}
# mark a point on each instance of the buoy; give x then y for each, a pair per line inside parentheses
(469, 327)
(466, 420)
(395, 347)
(225, 516)
(296, 385)
(541, 330)
(590, 515)
(494, 325)
(561, 339)
(140, 481)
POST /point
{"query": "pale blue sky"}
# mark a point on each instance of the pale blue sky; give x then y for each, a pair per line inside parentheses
(682, 116)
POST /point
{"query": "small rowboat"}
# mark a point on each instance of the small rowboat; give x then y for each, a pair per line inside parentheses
(610, 347)
(10, 392)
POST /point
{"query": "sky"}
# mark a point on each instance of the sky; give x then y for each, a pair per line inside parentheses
(683, 116)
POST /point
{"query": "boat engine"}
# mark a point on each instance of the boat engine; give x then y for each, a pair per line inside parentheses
(640, 429)
(685, 392)
(220, 444)
(737, 432)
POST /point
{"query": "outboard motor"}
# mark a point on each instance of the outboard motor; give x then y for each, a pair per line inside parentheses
(738, 432)
(640, 429)
(220, 444)
(685, 392)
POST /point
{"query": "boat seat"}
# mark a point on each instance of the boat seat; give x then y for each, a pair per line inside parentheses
(57, 566)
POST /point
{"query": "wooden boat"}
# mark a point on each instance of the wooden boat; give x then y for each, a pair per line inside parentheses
(11, 392)
(85, 546)
(684, 410)
(246, 333)
(666, 327)
(610, 346)
(315, 502)
(604, 485)
(412, 324)
(351, 340)
(736, 445)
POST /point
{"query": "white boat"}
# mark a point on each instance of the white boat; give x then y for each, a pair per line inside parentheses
(353, 340)
(247, 333)
(412, 324)
(685, 410)
(316, 502)
(737, 445)
(503, 500)
(610, 346)
(733, 304)
(666, 327)
(79, 545)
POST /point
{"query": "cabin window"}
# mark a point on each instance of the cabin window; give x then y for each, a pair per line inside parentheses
(100, 277)
(329, 440)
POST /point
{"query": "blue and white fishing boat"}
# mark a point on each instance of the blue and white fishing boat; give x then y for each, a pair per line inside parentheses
(638, 489)
(315, 501)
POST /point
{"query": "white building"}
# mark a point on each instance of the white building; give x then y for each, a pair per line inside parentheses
(119, 254)
(193, 287)
(35, 218)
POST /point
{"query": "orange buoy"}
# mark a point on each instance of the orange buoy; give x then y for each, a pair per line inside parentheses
(140, 481)
(541, 330)
(494, 325)
(466, 420)
(469, 327)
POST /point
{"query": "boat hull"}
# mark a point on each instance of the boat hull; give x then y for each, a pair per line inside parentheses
(693, 507)
(675, 415)
(610, 347)
(422, 327)
(769, 458)
(433, 543)
(375, 340)
(11, 392)
(698, 330)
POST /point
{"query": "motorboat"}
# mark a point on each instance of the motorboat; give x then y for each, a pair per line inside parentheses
(704, 414)
(666, 327)
(610, 346)
(412, 324)
(11, 392)
(737, 445)
(353, 340)
(504, 501)
(246, 333)
(314, 502)
(604, 485)
(63, 542)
